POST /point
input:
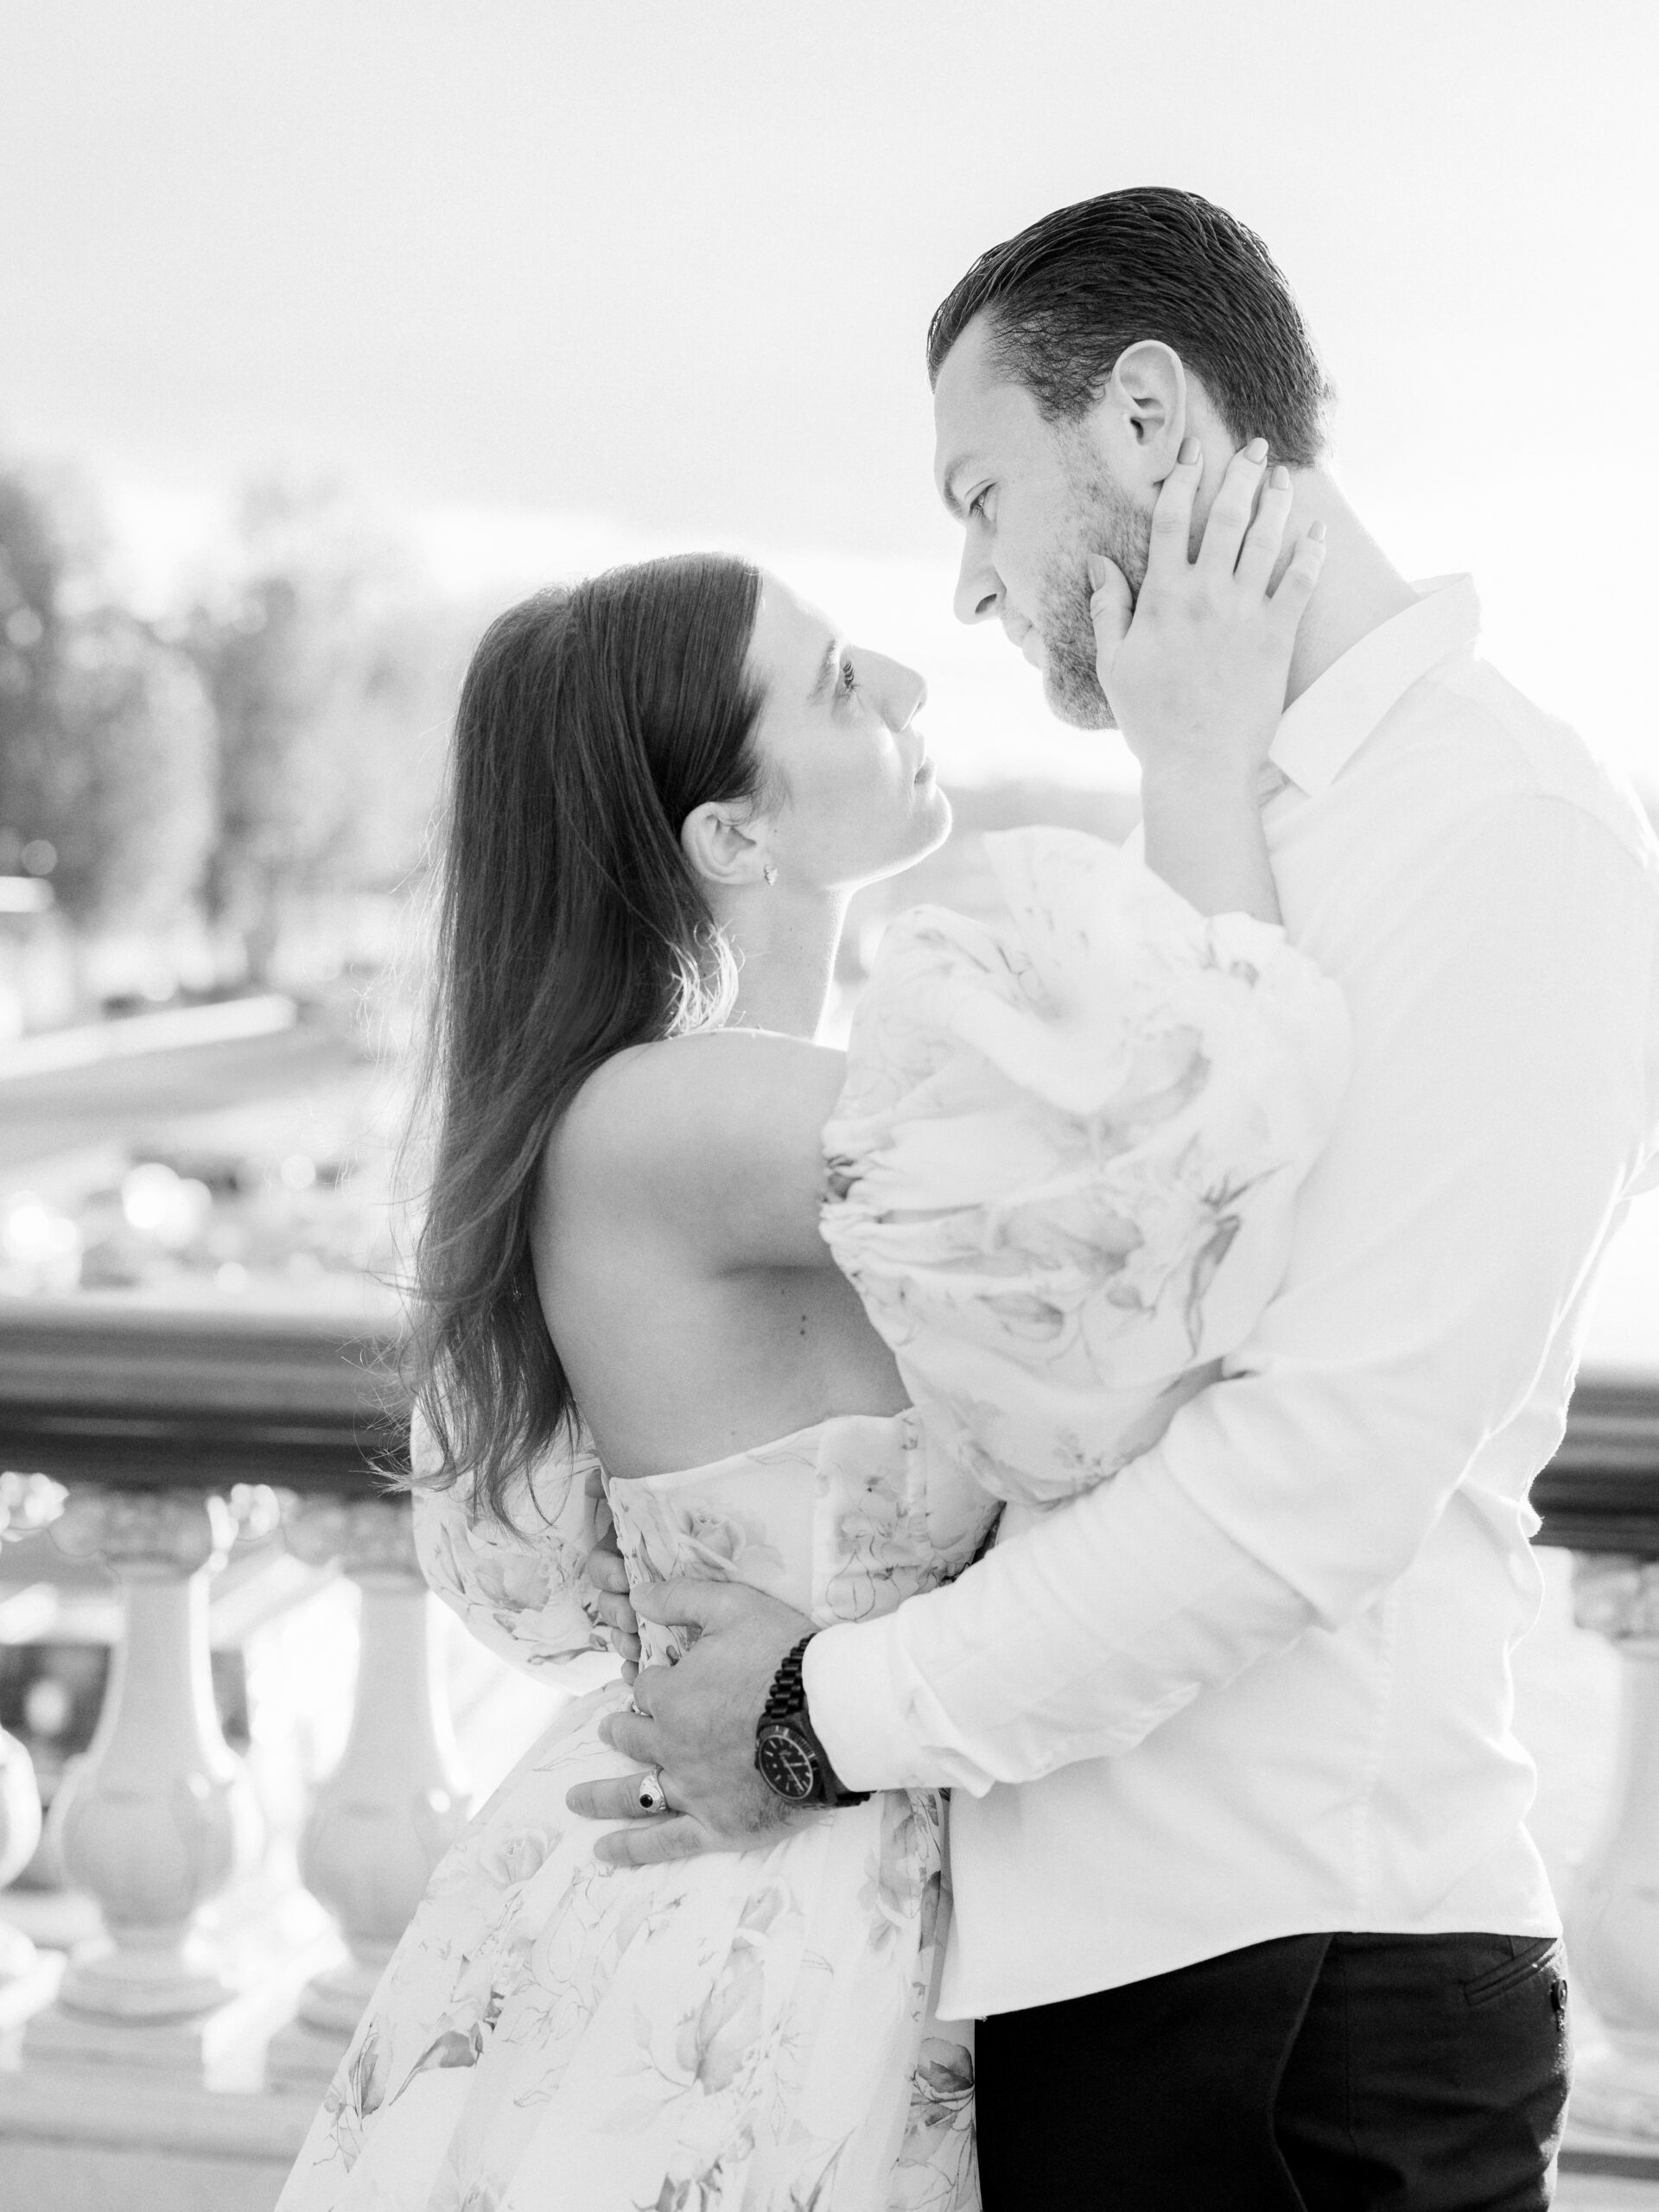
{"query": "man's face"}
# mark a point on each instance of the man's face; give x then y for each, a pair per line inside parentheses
(1035, 499)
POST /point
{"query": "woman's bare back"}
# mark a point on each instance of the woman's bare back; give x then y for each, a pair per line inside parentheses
(691, 1300)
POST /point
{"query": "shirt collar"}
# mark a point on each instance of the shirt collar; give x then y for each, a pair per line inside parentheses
(1320, 733)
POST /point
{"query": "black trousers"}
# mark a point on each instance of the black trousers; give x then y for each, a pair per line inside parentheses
(1335, 2073)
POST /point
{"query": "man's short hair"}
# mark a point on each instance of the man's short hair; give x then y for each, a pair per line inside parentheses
(1065, 297)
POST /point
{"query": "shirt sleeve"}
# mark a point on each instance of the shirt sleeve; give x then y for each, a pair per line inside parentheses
(1499, 1111)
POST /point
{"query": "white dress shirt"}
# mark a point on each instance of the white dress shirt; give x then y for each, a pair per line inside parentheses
(1258, 1684)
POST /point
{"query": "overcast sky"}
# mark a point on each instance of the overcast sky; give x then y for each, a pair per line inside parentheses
(555, 281)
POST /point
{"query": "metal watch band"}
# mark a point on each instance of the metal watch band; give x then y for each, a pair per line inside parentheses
(787, 1695)
(786, 1701)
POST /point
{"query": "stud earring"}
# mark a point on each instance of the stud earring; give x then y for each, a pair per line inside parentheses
(770, 873)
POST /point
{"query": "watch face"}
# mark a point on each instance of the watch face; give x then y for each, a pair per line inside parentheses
(785, 1763)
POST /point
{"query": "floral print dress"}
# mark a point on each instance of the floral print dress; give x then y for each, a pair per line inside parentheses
(1061, 1177)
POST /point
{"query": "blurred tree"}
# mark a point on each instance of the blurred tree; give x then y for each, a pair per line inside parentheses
(104, 727)
(35, 559)
(137, 750)
(322, 671)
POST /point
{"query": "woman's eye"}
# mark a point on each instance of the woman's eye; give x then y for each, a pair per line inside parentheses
(977, 504)
(848, 677)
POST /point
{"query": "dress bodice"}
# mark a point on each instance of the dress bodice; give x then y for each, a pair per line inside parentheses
(842, 1521)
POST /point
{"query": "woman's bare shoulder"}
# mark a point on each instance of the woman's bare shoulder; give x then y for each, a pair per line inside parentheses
(703, 1126)
(701, 1087)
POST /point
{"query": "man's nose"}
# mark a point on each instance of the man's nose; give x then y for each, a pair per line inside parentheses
(979, 589)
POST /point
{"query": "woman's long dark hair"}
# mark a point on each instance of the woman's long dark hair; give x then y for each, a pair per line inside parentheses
(593, 720)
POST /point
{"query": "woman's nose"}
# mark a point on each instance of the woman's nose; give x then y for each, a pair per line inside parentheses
(904, 692)
(913, 697)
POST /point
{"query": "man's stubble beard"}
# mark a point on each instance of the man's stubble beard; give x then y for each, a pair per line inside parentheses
(1104, 519)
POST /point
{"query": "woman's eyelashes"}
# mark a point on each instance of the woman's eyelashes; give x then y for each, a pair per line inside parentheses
(848, 683)
(977, 504)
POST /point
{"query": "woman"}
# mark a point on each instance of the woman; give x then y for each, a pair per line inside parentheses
(1061, 1158)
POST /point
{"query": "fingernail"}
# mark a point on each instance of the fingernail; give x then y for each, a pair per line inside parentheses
(1096, 571)
(1281, 478)
(1189, 452)
(1256, 451)
(1316, 531)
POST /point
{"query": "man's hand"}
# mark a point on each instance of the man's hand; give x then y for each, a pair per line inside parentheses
(695, 1723)
(1196, 669)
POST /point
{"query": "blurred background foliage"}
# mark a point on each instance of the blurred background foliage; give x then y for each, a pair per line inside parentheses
(214, 791)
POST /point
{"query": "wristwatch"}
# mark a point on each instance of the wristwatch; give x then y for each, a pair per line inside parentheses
(788, 1756)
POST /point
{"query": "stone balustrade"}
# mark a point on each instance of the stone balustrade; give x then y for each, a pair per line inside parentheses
(180, 2058)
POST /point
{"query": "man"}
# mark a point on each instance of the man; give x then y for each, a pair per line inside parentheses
(1245, 1898)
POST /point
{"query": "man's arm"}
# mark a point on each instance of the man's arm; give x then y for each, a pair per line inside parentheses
(1499, 1109)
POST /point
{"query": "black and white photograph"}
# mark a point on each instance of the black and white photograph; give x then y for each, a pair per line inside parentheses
(828, 1106)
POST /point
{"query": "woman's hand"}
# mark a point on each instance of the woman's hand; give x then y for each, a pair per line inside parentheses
(1196, 674)
(1196, 669)
(608, 1578)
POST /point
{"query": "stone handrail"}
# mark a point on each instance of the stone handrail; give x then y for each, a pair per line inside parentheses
(1600, 1492)
(149, 1398)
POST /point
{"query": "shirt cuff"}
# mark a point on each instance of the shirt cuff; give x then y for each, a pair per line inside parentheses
(847, 1672)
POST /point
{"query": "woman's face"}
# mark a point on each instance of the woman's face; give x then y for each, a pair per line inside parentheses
(850, 793)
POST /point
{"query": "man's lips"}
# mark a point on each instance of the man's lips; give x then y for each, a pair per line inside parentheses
(1023, 637)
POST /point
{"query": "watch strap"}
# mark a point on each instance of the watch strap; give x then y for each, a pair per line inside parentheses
(786, 1701)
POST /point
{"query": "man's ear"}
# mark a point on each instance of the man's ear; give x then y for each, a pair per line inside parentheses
(1142, 413)
(718, 842)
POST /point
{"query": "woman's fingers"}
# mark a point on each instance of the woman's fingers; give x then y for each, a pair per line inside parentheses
(1295, 588)
(1266, 535)
(616, 1609)
(1229, 517)
(607, 1569)
(1171, 515)
(1111, 609)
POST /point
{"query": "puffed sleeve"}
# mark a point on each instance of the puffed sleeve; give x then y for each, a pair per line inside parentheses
(523, 1590)
(1064, 1165)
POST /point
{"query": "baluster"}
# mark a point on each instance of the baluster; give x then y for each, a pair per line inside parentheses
(159, 1819)
(396, 1801)
(1612, 1918)
(27, 1981)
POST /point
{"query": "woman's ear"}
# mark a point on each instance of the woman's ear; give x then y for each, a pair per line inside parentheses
(1142, 413)
(717, 839)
